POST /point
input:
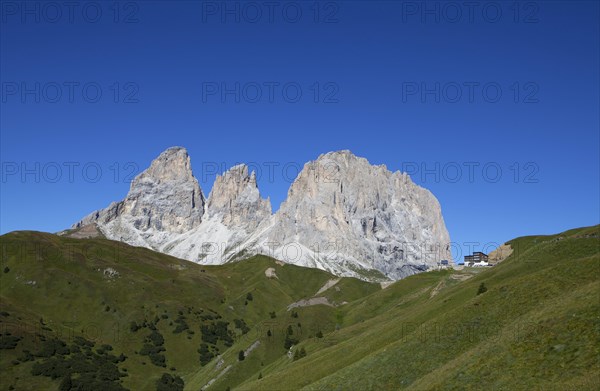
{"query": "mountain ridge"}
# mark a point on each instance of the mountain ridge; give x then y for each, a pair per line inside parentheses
(341, 214)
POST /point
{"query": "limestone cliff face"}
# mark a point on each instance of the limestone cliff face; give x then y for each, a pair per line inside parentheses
(233, 212)
(236, 200)
(342, 214)
(164, 199)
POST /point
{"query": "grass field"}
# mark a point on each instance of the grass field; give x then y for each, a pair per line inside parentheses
(536, 327)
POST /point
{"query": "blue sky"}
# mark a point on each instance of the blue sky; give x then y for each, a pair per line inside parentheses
(493, 108)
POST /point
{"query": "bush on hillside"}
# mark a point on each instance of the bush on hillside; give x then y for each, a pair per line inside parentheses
(482, 289)
(169, 383)
(289, 342)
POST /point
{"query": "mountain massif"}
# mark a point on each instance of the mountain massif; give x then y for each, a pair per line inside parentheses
(342, 215)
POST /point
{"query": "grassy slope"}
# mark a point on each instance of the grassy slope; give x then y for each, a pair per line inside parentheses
(537, 326)
(74, 297)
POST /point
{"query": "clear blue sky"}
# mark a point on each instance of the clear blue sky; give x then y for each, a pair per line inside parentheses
(163, 70)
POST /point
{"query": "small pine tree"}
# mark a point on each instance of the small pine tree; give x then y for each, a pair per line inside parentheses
(65, 384)
(269, 333)
(6, 269)
(319, 334)
(241, 355)
(249, 297)
(482, 289)
(290, 331)
(260, 375)
(289, 342)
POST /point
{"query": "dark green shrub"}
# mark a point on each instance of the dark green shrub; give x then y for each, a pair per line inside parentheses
(241, 324)
(482, 289)
(169, 383)
(205, 354)
(289, 342)
(8, 341)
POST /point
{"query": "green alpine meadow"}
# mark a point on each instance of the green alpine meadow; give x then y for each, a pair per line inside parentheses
(96, 314)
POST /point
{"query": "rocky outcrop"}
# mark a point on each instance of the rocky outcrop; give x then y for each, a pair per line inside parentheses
(89, 231)
(342, 214)
(233, 212)
(347, 216)
(163, 200)
(236, 201)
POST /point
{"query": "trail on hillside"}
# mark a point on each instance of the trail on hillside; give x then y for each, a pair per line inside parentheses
(327, 285)
(437, 288)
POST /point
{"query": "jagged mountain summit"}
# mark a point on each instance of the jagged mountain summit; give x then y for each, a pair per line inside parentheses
(163, 201)
(342, 214)
(234, 210)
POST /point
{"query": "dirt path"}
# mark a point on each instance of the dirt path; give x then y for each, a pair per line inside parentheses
(327, 285)
(461, 277)
(251, 348)
(224, 371)
(309, 302)
(437, 288)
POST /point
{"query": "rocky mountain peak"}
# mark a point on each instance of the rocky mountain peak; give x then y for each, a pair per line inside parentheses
(171, 165)
(166, 197)
(363, 213)
(236, 198)
(342, 214)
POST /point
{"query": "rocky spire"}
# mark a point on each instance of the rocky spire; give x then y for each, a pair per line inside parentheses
(171, 165)
(166, 197)
(235, 199)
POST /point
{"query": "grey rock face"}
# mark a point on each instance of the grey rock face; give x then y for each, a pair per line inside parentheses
(342, 214)
(233, 212)
(236, 200)
(162, 200)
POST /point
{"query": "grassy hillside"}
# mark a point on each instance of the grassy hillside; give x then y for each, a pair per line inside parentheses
(58, 288)
(537, 326)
